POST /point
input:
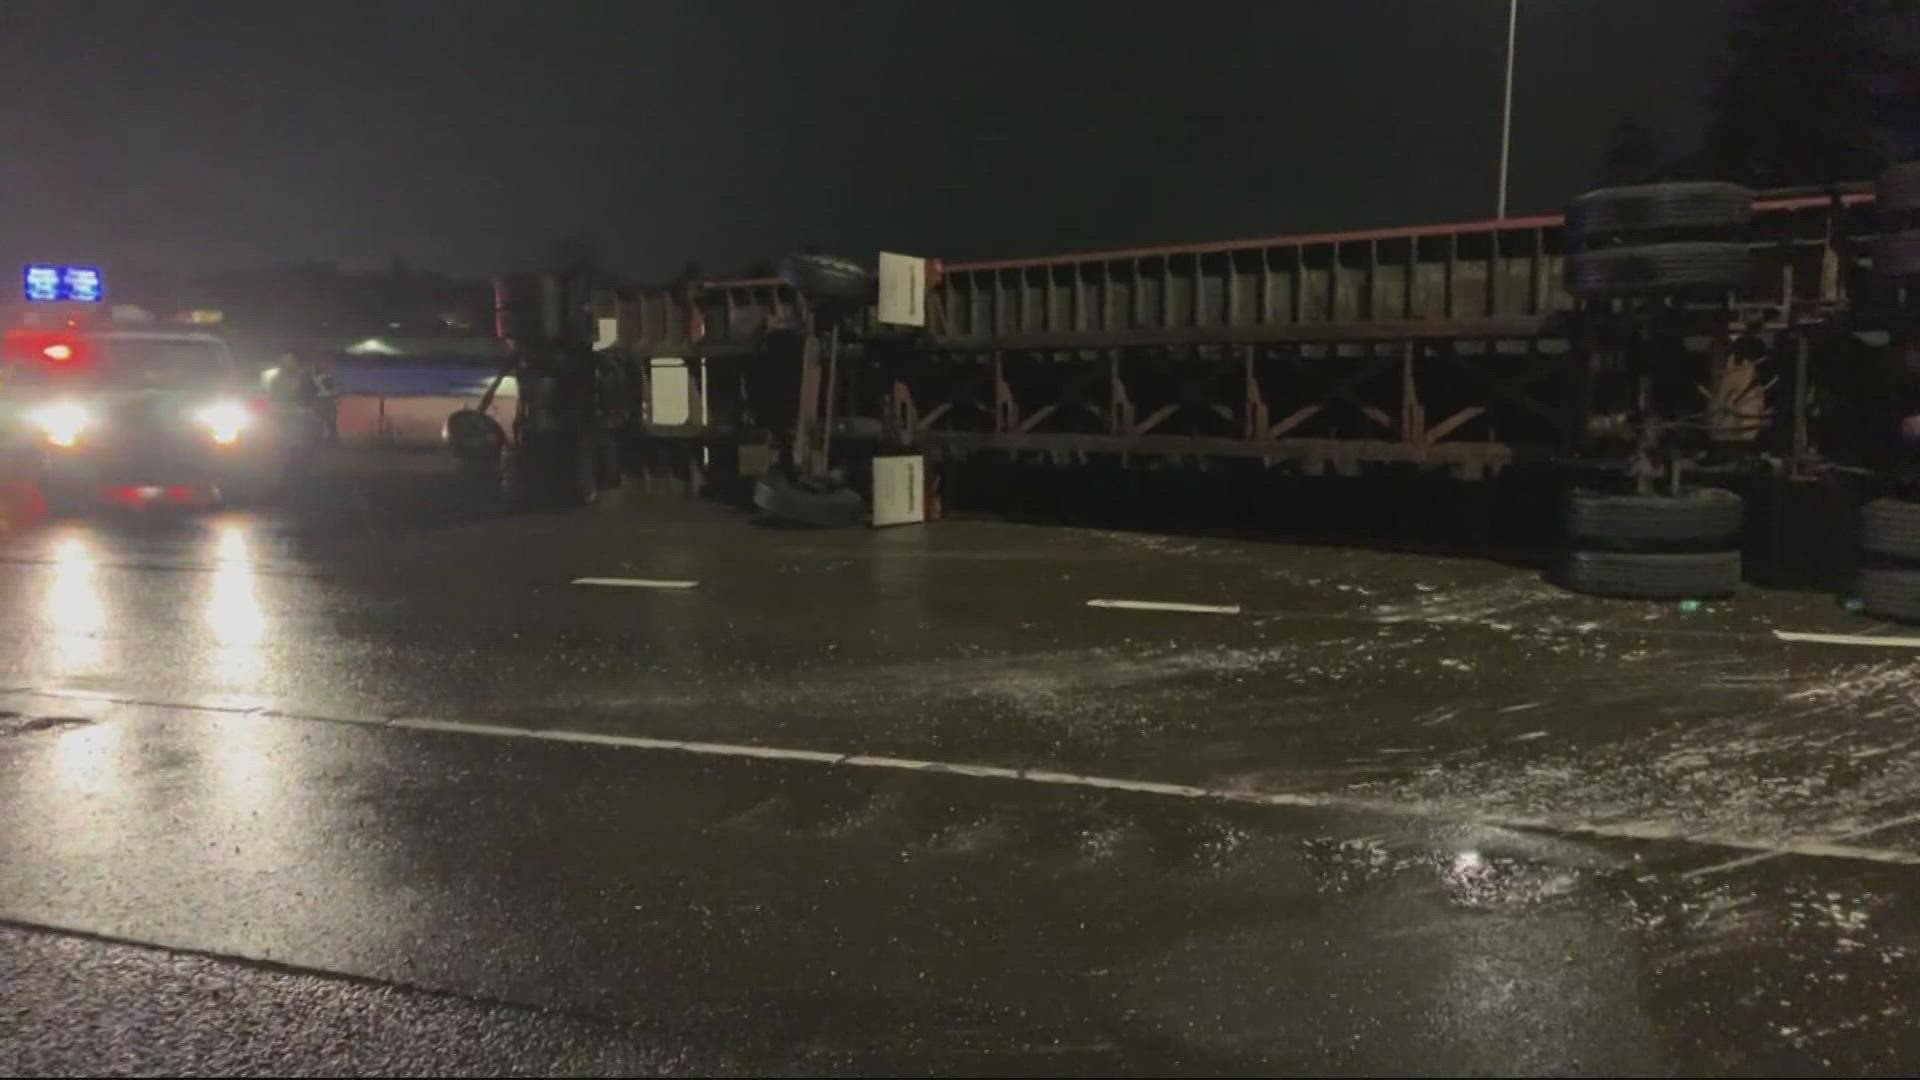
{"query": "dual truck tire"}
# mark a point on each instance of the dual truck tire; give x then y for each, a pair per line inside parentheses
(829, 277)
(1614, 530)
(1658, 238)
(1889, 586)
(1615, 212)
(1653, 547)
(1685, 237)
(1641, 575)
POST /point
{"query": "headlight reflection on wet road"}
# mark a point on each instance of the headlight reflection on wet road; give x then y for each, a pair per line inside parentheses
(86, 759)
(75, 616)
(234, 613)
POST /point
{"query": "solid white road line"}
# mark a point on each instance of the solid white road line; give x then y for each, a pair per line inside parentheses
(635, 583)
(1757, 850)
(1872, 640)
(1162, 605)
(1763, 856)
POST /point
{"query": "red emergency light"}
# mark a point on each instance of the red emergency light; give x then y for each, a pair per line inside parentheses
(57, 348)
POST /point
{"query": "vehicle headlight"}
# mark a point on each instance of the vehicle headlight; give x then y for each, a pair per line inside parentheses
(224, 420)
(61, 422)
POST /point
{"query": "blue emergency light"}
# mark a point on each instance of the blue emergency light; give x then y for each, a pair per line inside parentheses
(72, 284)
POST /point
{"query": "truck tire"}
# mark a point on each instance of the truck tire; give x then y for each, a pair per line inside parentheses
(829, 277)
(1657, 268)
(1897, 254)
(473, 435)
(1635, 575)
(1890, 593)
(1706, 517)
(1898, 190)
(1652, 207)
(1891, 527)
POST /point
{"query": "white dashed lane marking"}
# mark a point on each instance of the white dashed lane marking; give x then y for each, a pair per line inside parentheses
(635, 583)
(1165, 605)
(1871, 640)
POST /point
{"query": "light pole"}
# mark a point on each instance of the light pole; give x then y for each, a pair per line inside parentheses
(1506, 109)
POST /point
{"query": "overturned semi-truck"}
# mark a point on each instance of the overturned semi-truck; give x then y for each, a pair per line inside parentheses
(1664, 346)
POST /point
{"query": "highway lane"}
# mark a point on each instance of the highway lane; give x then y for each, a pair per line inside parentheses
(938, 813)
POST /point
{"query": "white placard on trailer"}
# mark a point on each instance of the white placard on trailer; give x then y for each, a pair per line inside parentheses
(903, 290)
(669, 397)
(899, 490)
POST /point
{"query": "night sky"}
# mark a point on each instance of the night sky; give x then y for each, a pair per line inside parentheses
(478, 136)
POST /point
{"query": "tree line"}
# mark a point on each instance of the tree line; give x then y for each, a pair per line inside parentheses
(1814, 92)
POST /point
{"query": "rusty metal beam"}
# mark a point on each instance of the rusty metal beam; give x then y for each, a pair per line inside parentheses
(1482, 329)
(1481, 454)
(1781, 201)
(1255, 420)
(1038, 415)
(934, 414)
(1778, 201)
(1155, 419)
(1293, 420)
(1438, 432)
(1413, 415)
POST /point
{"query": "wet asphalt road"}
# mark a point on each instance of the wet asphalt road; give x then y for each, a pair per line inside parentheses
(371, 787)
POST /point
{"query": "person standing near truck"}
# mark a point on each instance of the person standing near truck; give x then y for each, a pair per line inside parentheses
(300, 383)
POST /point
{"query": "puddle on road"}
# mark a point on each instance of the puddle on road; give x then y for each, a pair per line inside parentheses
(1467, 878)
(1496, 603)
(1771, 760)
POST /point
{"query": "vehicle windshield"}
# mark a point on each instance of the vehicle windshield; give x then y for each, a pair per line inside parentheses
(156, 363)
(159, 362)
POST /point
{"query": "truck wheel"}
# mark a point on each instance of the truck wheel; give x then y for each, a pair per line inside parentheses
(1704, 517)
(1898, 190)
(1657, 268)
(1891, 527)
(1635, 575)
(1652, 207)
(1890, 593)
(473, 436)
(829, 278)
(1897, 254)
